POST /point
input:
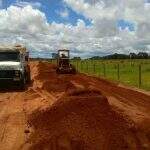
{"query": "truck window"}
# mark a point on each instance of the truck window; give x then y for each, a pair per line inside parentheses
(9, 56)
(63, 54)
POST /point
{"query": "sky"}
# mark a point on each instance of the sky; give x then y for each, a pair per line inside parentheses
(86, 27)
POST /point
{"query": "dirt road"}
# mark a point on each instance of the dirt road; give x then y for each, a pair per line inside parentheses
(50, 115)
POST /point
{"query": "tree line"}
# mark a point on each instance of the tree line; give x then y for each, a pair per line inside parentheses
(140, 55)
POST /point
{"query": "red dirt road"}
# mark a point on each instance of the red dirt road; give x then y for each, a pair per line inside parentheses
(71, 112)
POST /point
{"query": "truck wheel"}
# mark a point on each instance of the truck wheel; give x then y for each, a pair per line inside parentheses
(28, 77)
(22, 83)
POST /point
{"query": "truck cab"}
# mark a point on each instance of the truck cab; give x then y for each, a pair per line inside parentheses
(14, 65)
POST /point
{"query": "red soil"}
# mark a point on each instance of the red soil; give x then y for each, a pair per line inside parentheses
(81, 119)
(73, 112)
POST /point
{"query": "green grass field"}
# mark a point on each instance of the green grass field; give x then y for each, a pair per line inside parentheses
(124, 71)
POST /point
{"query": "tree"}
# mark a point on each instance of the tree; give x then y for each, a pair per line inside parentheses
(54, 55)
(77, 58)
(142, 55)
(133, 56)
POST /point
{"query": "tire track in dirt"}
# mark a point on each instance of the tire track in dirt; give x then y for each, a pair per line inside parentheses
(12, 123)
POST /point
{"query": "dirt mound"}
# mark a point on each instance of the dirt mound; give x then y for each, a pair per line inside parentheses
(81, 120)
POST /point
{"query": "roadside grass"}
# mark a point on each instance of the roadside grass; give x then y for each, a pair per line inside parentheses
(124, 71)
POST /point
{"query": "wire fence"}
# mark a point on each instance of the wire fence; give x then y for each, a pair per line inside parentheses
(135, 73)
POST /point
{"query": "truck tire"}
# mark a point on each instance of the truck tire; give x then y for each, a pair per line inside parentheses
(28, 77)
(23, 83)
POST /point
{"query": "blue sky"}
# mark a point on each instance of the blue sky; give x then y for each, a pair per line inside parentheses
(123, 24)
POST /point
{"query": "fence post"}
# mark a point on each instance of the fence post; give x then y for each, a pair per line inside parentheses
(81, 65)
(87, 66)
(118, 72)
(140, 75)
(77, 65)
(99, 69)
(104, 69)
(94, 68)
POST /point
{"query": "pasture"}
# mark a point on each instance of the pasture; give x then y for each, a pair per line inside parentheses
(130, 72)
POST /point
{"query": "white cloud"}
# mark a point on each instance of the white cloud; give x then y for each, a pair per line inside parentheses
(64, 13)
(105, 9)
(106, 13)
(29, 26)
(21, 3)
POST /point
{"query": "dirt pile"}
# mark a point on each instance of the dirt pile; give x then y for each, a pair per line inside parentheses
(80, 120)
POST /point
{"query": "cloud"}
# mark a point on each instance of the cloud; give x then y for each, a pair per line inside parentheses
(21, 3)
(23, 25)
(64, 14)
(29, 26)
(99, 10)
(105, 15)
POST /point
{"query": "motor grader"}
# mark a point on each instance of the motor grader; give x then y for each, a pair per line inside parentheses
(63, 63)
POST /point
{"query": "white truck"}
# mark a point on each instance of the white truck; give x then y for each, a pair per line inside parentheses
(14, 66)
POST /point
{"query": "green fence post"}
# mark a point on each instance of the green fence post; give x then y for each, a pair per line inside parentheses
(94, 68)
(104, 69)
(87, 68)
(99, 69)
(81, 65)
(77, 65)
(118, 72)
(140, 75)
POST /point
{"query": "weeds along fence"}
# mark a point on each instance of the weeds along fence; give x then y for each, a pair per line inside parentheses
(135, 73)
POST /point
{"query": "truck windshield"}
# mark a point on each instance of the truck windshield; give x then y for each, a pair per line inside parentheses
(11, 56)
(64, 54)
